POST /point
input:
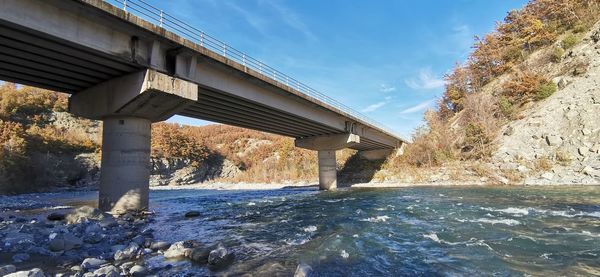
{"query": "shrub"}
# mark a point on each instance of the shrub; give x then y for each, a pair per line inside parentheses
(563, 157)
(542, 164)
(506, 107)
(569, 41)
(545, 90)
(556, 54)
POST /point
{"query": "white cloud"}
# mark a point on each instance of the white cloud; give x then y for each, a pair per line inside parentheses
(425, 81)
(374, 107)
(419, 107)
(291, 19)
(386, 88)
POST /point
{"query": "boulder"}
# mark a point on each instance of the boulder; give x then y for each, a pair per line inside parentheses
(192, 214)
(7, 269)
(36, 272)
(303, 270)
(56, 216)
(220, 258)
(180, 249)
(200, 255)
(84, 214)
(92, 264)
(129, 252)
(159, 245)
(553, 140)
(548, 176)
(107, 271)
(583, 151)
(138, 271)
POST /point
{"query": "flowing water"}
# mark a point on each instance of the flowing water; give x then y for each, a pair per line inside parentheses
(392, 232)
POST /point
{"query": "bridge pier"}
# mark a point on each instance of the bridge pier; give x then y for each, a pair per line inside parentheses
(327, 170)
(326, 147)
(125, 166)
(128, 105)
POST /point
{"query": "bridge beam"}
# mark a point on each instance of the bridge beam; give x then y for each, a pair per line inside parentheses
(326, 146)
(127, 106)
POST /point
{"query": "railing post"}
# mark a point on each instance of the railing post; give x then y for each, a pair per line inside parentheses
(125, 5)
(202, 39)
(244, 60)
(161, 18)
(260, 67)
(287, 80)
(225, 50)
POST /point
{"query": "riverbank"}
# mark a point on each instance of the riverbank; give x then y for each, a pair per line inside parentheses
(405, 231)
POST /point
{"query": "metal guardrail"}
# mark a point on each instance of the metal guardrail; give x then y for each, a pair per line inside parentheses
(157, 16)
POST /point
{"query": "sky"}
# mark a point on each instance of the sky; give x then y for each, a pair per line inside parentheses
(384, 58)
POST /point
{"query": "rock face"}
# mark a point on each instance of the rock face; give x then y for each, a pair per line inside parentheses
(563, 129)
(176, 172)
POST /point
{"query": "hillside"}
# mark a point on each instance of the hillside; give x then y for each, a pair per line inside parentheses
(45, 147)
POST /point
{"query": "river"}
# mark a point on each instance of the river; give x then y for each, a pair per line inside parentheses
(552, 230)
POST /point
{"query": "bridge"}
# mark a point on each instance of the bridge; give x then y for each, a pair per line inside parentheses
(129, 64)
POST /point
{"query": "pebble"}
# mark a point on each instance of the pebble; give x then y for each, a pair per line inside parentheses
(200, 255)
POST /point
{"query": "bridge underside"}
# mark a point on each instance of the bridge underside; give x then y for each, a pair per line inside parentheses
(128, 73)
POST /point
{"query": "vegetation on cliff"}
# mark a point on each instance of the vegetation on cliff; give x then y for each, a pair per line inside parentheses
(497, 81)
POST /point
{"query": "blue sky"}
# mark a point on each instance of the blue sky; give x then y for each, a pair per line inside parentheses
(383, 58)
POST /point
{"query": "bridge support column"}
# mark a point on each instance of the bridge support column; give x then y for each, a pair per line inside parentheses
(128, 105)
(327, 170)
(125, 168)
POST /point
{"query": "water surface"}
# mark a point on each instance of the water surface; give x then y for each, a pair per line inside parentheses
(405, 231)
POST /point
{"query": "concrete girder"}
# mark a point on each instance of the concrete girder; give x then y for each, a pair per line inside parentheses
(328, 142)
(145, 94)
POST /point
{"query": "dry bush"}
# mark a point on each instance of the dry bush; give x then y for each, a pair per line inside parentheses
(542, 164)
(563, 157)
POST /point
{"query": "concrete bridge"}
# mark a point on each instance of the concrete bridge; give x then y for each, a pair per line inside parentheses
(129, 64)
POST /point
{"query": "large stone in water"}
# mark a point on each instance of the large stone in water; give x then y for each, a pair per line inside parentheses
(303, 270)
(220, 258)
(180, 249)
(7, 269)
(107, 271)
(192, 214)
(138, 271)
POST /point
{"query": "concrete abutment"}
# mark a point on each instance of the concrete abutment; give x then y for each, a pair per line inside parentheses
(327, 170)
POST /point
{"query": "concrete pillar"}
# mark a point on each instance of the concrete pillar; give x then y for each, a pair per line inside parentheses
(327, 170)
(125, 169)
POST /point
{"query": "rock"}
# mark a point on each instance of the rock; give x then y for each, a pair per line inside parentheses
(84, 214)
(509, 131)
(36, 272)
(21, 257)
(159, 245)
(92, 263)
(303, 270)
(107, 271)
(588, 170)
(595, 148)
(76, 268)
(56, 216)
(17, 238)
(117, 247)
(200, 255)
(56, 244)
(139, 240)
(583, 150)
(553, 140)
(220, 258)
(522, 169)
(180, 249)
(138, 271)
(129, 252)
(585, 131)
(548, 176)
(7, 269)
(93, 238)
(192, 214)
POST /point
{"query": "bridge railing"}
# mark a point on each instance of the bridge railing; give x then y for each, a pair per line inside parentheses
(157, 16)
